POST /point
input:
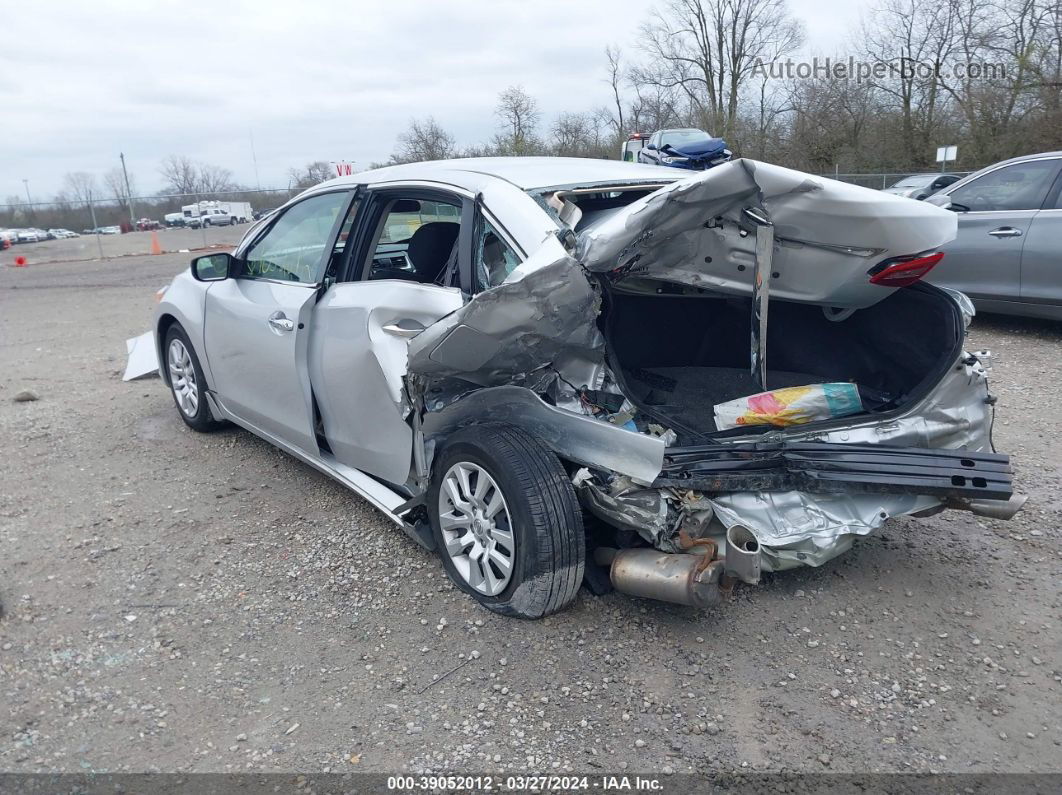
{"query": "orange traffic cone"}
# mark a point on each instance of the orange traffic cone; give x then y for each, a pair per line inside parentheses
(20, 262)
(155, 247)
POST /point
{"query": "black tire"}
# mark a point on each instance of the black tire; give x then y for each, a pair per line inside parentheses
(546, 521)
(201, 419)
(232, 221)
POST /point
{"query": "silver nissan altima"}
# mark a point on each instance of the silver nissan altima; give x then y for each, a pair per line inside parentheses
(556, 371)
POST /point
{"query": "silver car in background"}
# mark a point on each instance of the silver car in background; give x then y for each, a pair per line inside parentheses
(921, 186)
(1007, 256)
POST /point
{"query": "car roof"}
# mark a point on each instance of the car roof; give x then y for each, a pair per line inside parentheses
(1023, 158)
(526, 173)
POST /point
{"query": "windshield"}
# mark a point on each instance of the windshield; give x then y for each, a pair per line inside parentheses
(683, 137)
(915, 182)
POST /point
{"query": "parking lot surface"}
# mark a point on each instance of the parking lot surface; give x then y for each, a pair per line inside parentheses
(176, 601)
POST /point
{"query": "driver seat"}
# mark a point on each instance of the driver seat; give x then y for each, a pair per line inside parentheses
(429, 248)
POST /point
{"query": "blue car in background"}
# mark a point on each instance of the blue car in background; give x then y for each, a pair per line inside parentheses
(684, 148)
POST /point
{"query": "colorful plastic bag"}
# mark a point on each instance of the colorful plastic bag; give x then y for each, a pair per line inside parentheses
(793, 405)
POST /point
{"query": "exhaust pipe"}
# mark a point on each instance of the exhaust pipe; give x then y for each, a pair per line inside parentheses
(679, 578)
(742, 555)
(993, 509)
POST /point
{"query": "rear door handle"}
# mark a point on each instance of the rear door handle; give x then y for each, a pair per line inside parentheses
(404, 328)
(1005, 231)
(279, 322)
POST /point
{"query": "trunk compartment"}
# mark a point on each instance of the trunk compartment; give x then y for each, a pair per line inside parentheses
(678, 351)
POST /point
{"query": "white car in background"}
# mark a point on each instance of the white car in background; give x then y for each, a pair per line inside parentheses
(486, 349)
(28, 236)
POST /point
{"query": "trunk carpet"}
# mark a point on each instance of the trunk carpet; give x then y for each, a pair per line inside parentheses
(688, 394)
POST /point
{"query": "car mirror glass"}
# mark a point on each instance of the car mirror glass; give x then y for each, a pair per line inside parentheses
(212, 267)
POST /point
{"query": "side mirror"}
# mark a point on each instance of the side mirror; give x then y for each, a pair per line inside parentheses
(944, 202)
(651, 146)
(213, 267)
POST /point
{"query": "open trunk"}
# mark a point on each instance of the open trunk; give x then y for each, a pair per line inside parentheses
(679, 351)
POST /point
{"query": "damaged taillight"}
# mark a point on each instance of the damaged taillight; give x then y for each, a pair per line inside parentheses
(902, 271)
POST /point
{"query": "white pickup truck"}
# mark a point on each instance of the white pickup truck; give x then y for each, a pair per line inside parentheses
(216, 213)
(210, 216)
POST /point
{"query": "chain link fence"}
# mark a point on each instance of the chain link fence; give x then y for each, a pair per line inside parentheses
(108, 227)
(101, 228)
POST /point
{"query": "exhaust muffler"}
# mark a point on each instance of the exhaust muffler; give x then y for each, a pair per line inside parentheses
(742, 559)
(680, 578)
(993, 509)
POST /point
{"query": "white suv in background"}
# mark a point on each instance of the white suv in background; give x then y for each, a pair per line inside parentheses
(212, 216)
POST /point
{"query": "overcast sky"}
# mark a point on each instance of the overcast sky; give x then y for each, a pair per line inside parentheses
(82, 81)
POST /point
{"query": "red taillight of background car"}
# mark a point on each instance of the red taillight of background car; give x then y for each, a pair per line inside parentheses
(902, 271)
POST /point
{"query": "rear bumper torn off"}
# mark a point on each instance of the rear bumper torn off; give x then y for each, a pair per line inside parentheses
(827, 468)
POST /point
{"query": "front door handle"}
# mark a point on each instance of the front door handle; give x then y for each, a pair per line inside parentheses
(280, 323)
(1005, 231)
(404, 328)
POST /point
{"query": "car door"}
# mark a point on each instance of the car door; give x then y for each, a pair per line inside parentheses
(256, 326)
(1041, 263)
(362, 325)
(995, 211)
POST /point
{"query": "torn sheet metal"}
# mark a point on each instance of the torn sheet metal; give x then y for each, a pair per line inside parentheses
(542, 315)
(625, 505)
(576, 437)
(143, 357)
(799, 529)
(828, 234)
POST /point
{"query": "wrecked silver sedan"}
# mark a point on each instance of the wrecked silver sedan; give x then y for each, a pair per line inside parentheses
(550, 369)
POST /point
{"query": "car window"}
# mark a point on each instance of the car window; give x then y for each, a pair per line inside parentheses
(494, 259)
(415, 240)
(293, 250)
(913, 182)
(683, 137)
(1020, 186)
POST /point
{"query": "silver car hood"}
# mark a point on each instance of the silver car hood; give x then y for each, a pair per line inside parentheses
(828, 234)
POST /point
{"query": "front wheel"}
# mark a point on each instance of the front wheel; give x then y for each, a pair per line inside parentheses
(187, 383)
(506, 521)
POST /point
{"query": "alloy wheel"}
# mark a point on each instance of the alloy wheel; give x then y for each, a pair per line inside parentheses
(477, 528)
(182, 378)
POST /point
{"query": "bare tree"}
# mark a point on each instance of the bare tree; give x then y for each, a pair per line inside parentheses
(1013, 34)
(180, 174)
(708, 49)
(311, 174)
(424, 140)
(615, 79)
(215, 179)
(915, 38)
(81, 186)
(519, 114)
(577, 135)
(114, 182)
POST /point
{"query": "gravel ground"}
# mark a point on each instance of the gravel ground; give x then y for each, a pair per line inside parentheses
(185, 602)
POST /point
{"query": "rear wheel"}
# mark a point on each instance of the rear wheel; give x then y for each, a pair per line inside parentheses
(187, 383)
(506, 521)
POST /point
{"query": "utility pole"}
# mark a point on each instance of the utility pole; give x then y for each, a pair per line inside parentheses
(128, 192)
(254, 159)
(29, 201)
